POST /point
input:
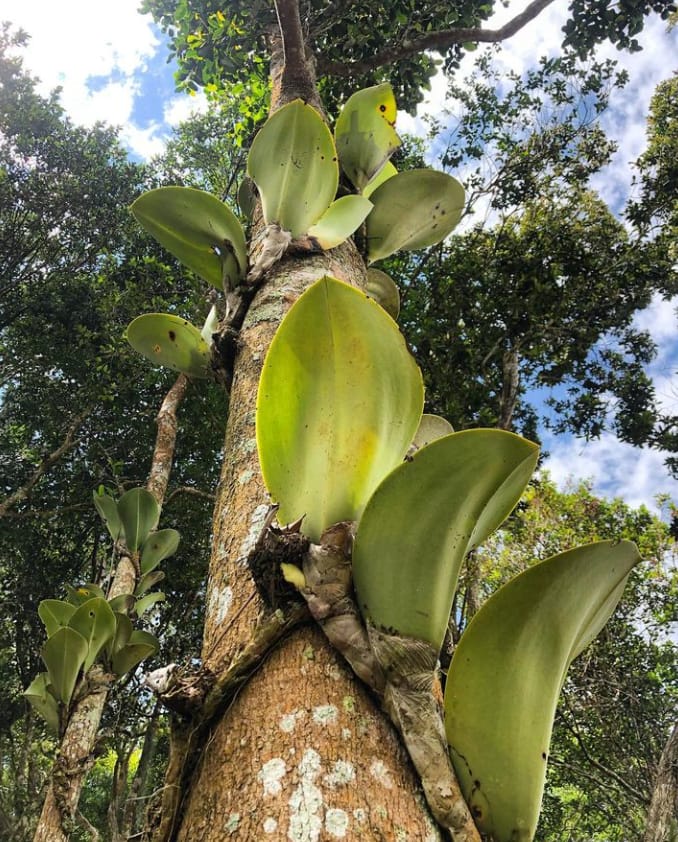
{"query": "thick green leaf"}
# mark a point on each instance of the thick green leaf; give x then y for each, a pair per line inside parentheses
(159, 546)
(386, 172)
(43, 701)
(340, 220)
(382, 288)
(141, 645)
(122, 603)
(108, 510)
(148, 581)
(339, 400)
(64, 654)
(139, 513)
(55, 613)
(431, 427)
(95, 621)
(171, 341)
(294, 165)
(423, 519)
(198, 229)
(76, 596)
(506, 676)
(123, 632)
(364, 133)
(142, 605)
(413, 210)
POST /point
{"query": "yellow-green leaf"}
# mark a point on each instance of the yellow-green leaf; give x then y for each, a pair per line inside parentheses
(339, 400)
(507, 672)
(340, 220)
(171, 341)
(423, 519)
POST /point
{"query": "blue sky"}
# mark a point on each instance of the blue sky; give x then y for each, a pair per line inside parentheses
(111, 63)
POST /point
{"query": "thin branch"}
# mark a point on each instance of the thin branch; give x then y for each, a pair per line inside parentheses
(439, 41)
(48, 461)
(297, 78)
(195, 492)
(163, 453)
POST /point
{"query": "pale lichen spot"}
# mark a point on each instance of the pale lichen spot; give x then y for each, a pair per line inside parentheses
(288, 721)
(250, 445)
(332, 671)
(380, 773)
(345, 733)
(306, 802)
(360, 815)
(232, 823)
(245, 477)
(336, 822)
(270, 775)
(348, 704)
(256, 525)
(220, 603)
(341, 773)
(325, 715)
(270, 825)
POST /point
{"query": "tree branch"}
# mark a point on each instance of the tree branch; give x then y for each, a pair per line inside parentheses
(439, 41)
(296, 77)
(67, 444)
(163, 453)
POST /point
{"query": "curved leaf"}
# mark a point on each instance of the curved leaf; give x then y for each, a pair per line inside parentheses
(141, 645)
(386, 172)
(159, 546)
(148, 601)
(108, 511)
(171, 341)
(139, 514)
(339, 400)
(382, 288)
(423, 519)
(76, 596)
(293, 162)
(95, 621)
(55, 613)
(198, 229)
(340, 220)
(413, 210)
(123, 603)
(64, 654)
(148, 581)
(507, 672)
(43, 701)
(364, 133)
(123, 632)
(431, 427)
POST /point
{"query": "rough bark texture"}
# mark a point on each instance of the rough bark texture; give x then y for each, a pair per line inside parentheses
(303, 753)
(662, 818)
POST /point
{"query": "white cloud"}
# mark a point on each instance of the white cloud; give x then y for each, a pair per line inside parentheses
(181, 107)
(74, 40)
(615, 468)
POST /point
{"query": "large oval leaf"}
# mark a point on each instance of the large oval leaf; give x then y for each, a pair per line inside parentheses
(507, 672)
(364, 133)
(139, 513)
(431, 427)
(159, 546)
(171, 341)
(423, 519)
(339, 400)
(43, 701)
(139, 646)
(55, 613)
(198, 229)
(64, 654)
(412, 210)
(293, 162)
(95, 621)
(108, 511)
(340, 220)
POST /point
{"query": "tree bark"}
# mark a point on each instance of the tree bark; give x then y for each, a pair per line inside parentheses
(662, 818)
(303, 752)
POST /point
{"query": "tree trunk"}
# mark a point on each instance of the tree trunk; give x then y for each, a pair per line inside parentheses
(303, 752)
(662, 818)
